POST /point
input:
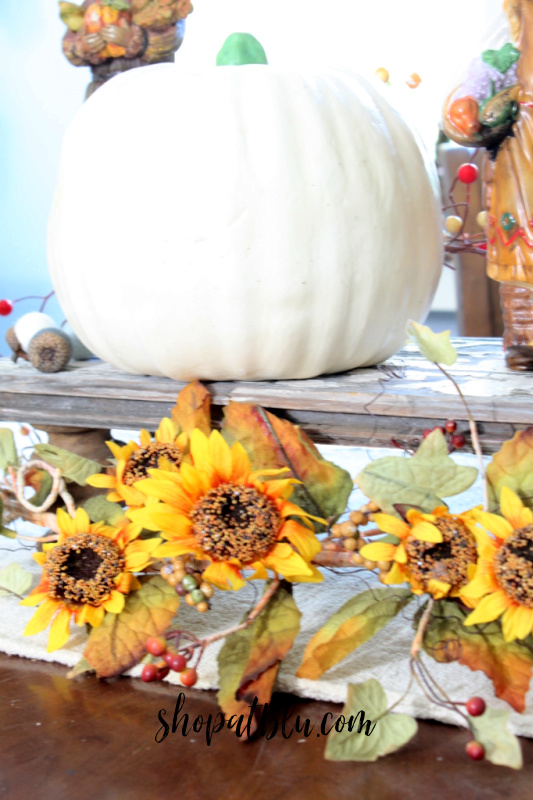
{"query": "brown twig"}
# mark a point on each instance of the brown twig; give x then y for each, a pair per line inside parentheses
(420, 631)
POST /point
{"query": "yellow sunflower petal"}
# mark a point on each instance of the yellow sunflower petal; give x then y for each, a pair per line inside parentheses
(94, 615)
(426, 532)
(102, 481)
(220, 455)
(438, 589)
(82, 523)
(314, 577)
(282, 488)
(66, 524)
(379, 551)
(517, 622)
(59, 630)
(194, 482)
(224, 576)
(396, 574)
(115, 602)
(167, 490)
(489, 608)
(178, 548)
(121, 452)
(241, 465)
(35, 597)
(199, 447)
(145, 438)
(285, 561)
(40, 558)
(514, 510)
(114, 497)
(302, 538)
(497, 525)
(260, 572)
(42, 617)
(166, 432)
(389, 524)
(400, 555)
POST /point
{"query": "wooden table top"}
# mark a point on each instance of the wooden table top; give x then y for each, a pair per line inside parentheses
(87, 739)
(362, 407)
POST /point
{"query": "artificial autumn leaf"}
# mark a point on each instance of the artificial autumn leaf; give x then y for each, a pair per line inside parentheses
(357, 621)
(8, 451)
(501, 746)
(118, 643)
(41, 481)
(389, 733)
(193, 409)
(80, 668)
(509, 665)
(512, 466)
(273, 443)
(101, 510)
(72, 15)
(73, 468)
(249, 660)
(435, 347)
(14, 580)
(433, 446)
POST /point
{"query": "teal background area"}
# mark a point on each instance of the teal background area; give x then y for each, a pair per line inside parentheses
(39, 94)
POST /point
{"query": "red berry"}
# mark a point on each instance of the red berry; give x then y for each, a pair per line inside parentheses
(475, 751)
(450, 425)
(162, 672)
(156, 646)
(189, 676)
(440, 428)
(426, 433)
(149, 673)
(175, 661)
(6, 307)
(458, 441)
(476, 706)
(467, 173)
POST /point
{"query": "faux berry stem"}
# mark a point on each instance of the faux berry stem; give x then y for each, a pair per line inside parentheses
(59, 487)
(420, 631)
(474, 436)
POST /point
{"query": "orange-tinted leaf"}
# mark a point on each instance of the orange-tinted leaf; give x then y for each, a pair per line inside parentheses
(248, 662)
(41, 481)
(351, 626)
(118, 643)
(481, 647)
(512, 466)
(193, 409)
(274, 443)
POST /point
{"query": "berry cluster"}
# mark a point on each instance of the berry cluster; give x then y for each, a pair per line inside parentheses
(475, 707)
(454, 440)
(188, 584)
(347, 536)
(157, 646)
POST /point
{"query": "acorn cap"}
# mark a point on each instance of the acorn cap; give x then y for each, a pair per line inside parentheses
(49, 350)
(14, 344)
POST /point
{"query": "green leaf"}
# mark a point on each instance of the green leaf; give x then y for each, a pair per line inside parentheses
(501, 59)
(419, 481)
(435, 347)
(118, 643)
(72, 15)
(73, 468)
(101, 510)
(241, 48)
(512, 466)
(501, 746)
(357, 621)
(14, 580)
(433, 446)
(41, 481)
(81, 667)
(249, 660)
(508, 665)
(7, 532)
(8, 451)
(391, 731)
(273, 443)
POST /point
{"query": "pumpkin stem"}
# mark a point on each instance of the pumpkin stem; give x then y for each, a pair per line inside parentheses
(241, 48)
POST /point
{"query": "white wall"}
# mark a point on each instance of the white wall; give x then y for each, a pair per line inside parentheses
(40, 91)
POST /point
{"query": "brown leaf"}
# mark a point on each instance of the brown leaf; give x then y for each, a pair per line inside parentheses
(249, 660)
(481, 647)
(118, 643)
(275, 443)
(193, 409)
(512, 466)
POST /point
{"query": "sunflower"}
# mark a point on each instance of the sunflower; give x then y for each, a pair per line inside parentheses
(134, 460)
(218, 510)
(435, 553)
(504, 576)
(87, 572)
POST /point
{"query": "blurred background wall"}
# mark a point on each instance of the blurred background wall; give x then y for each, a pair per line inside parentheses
(40, 91)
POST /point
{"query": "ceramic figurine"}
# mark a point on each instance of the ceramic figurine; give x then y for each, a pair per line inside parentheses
(112, 36)
(493, 109)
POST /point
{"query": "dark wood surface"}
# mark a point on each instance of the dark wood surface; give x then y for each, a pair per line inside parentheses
(362, 407)
(88, 740)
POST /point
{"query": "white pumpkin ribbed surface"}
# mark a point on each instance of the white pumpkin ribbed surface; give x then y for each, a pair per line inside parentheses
(243, 223)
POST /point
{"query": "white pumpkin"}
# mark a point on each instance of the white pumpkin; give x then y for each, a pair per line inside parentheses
(243, 223)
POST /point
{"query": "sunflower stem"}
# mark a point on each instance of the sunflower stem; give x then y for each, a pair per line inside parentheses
(420, 631)
(473, 435)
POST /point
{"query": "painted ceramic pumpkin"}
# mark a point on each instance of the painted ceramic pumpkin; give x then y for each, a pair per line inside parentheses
(243, 223)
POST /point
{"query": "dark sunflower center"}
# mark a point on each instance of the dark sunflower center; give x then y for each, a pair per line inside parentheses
(443, 561)
(513, 566)
(232, 521)
(81, 570)
(146, 458)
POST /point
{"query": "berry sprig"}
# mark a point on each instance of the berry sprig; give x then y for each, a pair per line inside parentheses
(459, 240)
(6, 306)
(170, 659)
(454, 440)
(188, 583)
(347, 536)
